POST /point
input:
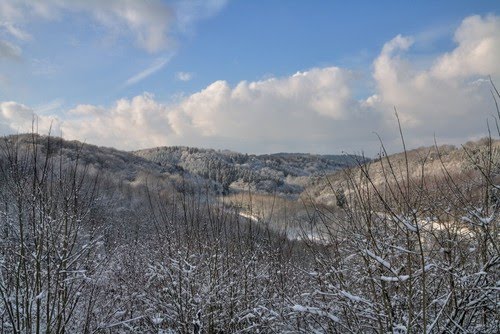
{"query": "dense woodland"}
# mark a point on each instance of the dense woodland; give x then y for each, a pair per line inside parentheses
(95, 240)
(285, 174)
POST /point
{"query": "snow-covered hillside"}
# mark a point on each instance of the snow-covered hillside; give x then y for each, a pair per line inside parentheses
(282, 173)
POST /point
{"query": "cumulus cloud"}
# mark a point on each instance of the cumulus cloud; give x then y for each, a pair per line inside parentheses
(250, 106)
(318, 110)
(87, 110)
(305, 111)
(446, 98)
(477, 51)
(15, 116)
(138, 122)
(18, 118)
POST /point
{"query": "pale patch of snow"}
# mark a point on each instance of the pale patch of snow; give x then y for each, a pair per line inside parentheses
(351, 296)
(408, 225)
(249, 216)
(157, 320)
(400, 278)
(378, 259)
(316, 311)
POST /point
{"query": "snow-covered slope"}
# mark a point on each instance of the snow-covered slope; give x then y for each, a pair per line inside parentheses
(282, 173)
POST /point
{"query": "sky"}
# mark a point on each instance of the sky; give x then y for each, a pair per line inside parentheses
(250, 76)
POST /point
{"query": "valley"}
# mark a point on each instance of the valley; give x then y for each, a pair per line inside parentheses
(150, 240)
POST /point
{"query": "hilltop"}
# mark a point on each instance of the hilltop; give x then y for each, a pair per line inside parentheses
(285, 174)
(434, 166)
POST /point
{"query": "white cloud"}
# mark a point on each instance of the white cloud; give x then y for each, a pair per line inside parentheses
(184, 76)
(446, 98)
(14, 14)
(139, 122)
(15, 116)
(149, 22)
(318, 110)
(477, 52)
(19, 118)
(16, 32)
(156, 66)
(87, 110)
(306, 111)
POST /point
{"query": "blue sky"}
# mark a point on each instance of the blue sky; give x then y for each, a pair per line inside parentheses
(253, 76)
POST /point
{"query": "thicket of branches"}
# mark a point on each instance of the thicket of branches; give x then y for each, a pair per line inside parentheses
(413, 255)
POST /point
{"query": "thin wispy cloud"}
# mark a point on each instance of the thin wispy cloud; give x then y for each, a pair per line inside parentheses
(152, 24)
(156, 66)
(189, 11)
(50, 107)
(15, 31)
(9, 50)
(184, 76)
(148, 22)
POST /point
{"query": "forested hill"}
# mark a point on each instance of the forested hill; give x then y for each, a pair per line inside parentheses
(127, 165)
(282, 173)
(226, 171)
(120, 170)
(434, 166)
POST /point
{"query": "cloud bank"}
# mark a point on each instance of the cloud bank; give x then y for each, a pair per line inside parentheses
(318, 110)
